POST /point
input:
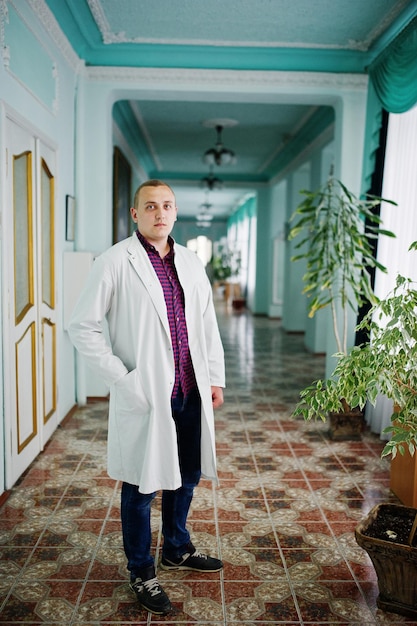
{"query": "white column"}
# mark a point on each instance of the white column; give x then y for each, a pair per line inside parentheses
(349, 138)
(295, 302)
(94, 162)
(348, 151)
(93, 191)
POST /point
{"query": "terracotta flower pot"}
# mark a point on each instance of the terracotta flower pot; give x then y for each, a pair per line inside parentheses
(403, 478)
(403, 475)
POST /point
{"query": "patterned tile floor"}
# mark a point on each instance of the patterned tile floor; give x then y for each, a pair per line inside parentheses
(282, 518)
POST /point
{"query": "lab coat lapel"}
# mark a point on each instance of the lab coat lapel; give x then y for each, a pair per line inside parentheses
(183, 269)
(140, 262)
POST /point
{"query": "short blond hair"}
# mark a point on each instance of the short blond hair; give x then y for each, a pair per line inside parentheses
(153, 182)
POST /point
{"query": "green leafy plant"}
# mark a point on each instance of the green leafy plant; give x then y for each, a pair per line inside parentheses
(226, 263)
(338, 231)
(221, 268)
(386, 365)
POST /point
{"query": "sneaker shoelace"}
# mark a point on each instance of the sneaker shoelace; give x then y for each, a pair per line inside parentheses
(200, 555)
(152, 586)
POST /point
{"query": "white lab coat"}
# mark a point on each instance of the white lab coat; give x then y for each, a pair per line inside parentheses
(139, 368)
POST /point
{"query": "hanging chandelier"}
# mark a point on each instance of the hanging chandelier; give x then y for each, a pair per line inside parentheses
(204, 217)
(204, 220)
(211, 181)
(219, 155)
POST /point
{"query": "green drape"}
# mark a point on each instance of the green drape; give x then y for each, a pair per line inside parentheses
(372, 132)
(245, 211)
(394, 72)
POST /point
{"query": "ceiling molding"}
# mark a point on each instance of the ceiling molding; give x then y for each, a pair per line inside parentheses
(323, 139)
(281, 147)
(47, 18)
(109, 36)
(161, 78)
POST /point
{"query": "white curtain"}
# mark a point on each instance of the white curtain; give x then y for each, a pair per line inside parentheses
(400, 185)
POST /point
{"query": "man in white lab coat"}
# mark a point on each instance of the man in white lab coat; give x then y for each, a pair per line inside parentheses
(164, 365)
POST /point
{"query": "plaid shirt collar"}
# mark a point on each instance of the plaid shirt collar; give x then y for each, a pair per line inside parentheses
(150, 248)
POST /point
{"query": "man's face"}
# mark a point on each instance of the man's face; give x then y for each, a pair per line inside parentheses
(155, 214)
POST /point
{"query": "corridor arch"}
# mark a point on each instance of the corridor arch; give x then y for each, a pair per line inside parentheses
(100, 88)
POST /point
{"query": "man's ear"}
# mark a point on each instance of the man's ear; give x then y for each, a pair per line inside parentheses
(134, 214)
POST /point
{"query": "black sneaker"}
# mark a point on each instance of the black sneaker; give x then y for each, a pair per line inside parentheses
(196, 561)
(151, 595)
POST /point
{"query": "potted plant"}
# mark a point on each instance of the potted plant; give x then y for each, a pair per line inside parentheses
(226, 267)
(221, 267)
(339, 232)
(386, 365)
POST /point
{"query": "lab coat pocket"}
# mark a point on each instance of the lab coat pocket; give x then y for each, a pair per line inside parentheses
(130, 396)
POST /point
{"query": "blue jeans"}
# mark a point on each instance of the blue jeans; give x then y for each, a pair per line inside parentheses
(136, 506)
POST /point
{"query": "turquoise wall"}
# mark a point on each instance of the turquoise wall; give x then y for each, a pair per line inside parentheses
(262, 269)
(188, 229)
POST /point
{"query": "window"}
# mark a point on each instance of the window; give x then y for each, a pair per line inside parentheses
(202, 246)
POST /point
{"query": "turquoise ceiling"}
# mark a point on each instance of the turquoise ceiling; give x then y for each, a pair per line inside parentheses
(295, 35)
(322, 35)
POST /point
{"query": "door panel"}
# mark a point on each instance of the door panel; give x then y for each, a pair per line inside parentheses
(46, 299)
(26, 415)
(47, 234)
(49, 370)
(22, 204)
(29, 338)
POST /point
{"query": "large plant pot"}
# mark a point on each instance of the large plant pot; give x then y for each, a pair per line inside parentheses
(403, 478)
(238, 304)
(346, 425)
(231, 291)
(388, 534)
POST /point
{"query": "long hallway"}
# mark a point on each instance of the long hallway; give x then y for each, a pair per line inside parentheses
(282, 518)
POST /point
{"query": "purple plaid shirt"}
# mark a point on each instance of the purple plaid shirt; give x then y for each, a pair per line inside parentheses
(174, 300)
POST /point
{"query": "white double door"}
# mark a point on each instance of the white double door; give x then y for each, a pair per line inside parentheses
(29, 313)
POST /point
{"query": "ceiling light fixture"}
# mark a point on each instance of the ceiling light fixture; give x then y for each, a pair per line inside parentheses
(219, 155)
(204, 217)
(211, 181)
